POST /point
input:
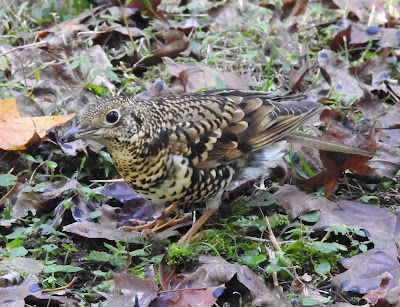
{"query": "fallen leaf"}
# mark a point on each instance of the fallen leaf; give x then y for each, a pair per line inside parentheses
(384, 37)
(121, 191)
(296, 202)
(16, 132)
(292, 8)
(302, 286)
(296, 76)
(175, 43)
(215, 272)
(374, 71)
(370, 105)
(373, 296)
(193, 77)
(14, 296)
(342, 130)
(224, 14)
(341, 39)
(362, 9)
(198, 297)
(22, 265)
(106, 227)
(335, 73)
(335, 164)
(363, 271)
(148, 7)
(131, 290)
(57, 85)
(30, 202)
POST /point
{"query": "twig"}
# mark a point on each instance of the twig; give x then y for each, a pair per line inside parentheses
(179, 290)
(257, 239)
(108, 180)
(127, 26)
(271, 236)
(169, 278)
(271, 253)
(10, 191)
(24, 46)
(63, 287)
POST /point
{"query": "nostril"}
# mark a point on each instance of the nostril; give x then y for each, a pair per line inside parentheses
(69, 135)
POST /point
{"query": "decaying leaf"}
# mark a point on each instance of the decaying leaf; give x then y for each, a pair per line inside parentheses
(217, 272)
(342, 131)
(380, 229)
(362, 9)
(131, 290)
(302, 286)
(361, 272)
(14, 296)
(174, 44)
(335, 73)
(193, 77)
(294, 8)
(30, 202)
(335, 164)
(22, 265)
(373, 296)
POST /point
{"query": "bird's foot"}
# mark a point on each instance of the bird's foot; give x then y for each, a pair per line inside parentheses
(159, 223)
(196, 226)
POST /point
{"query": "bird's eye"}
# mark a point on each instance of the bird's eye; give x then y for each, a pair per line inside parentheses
(112, 117)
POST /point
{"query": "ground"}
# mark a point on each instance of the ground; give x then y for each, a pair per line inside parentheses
(321, 230)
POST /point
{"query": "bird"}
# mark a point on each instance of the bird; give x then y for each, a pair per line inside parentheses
(190, 147)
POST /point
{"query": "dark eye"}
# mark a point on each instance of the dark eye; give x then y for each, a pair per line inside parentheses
(112, 117)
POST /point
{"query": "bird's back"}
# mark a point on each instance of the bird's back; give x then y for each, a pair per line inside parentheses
(201, 140)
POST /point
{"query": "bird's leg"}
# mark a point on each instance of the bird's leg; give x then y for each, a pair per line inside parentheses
(188, 236)
(174, 220)
(159, 223)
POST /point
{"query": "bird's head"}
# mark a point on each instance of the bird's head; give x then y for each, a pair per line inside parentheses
(110, 121)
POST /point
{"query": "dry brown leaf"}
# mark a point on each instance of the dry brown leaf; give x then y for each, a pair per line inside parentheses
(193, 77)
(16, 132)
(373, 296)
(341, 39)
(152, 12)
(386, 37)
(361, 272)
(302, 286)
(363, 9)
(335, 164)
(224, 14)
(222, 276)
(293, 8)
(335, 73)
(29, 203)
(297, 76)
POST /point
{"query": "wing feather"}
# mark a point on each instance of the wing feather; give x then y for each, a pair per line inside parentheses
(229, 124)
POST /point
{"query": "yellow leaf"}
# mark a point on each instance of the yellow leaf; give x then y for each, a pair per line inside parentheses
(17, 132)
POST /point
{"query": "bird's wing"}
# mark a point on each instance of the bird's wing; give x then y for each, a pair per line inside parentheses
(217, 127)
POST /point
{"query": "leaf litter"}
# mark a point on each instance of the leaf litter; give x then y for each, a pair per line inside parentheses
(69, 66)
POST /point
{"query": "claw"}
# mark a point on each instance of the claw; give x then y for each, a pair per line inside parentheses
(159, 223)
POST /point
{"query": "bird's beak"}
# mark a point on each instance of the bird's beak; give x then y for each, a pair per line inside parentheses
(77, 132)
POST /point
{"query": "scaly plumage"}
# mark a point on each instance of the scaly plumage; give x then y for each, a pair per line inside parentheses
(187, 148)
